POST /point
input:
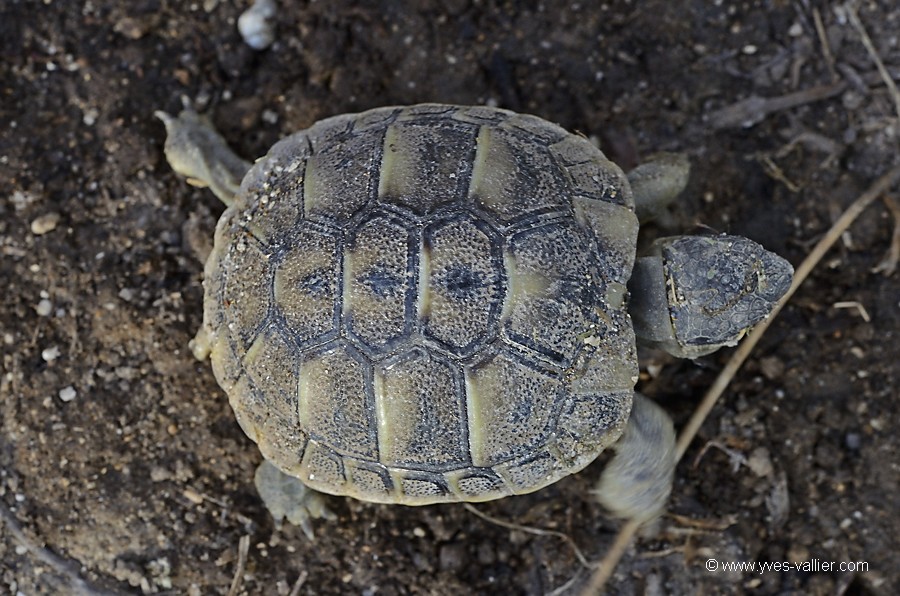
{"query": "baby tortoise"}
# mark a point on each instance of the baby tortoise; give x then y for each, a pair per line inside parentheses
(439, 303)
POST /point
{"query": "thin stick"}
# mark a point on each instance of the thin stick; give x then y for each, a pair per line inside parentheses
(530, 530)
(823, 41)
(243, 548)
(850, 7)
(301, 579)
(606, 567)
(45, 556)
(888, 264)
(628, 531)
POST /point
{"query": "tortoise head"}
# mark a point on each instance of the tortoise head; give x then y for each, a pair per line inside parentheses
(692, 295)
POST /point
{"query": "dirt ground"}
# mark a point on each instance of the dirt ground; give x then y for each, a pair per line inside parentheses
(122, 469)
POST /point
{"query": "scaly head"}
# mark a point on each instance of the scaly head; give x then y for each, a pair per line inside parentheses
(691, 295)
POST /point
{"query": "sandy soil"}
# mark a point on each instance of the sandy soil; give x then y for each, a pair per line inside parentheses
(122, 469)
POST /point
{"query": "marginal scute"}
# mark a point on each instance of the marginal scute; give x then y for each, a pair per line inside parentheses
(280, 171)
(250, 409)
(479, 486)
(271, 364)
(324, 469)
(374, 120)
(225, 363)
(523, 473)
(614, 230)
(371, 483)
(283, 443)
(590, 173)
(590, 423)
(420, 489)
(481, 115)
(608, 361)
(246, 289)
(270, 202)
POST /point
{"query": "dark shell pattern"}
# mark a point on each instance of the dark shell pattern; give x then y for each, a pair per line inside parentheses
(426, 304)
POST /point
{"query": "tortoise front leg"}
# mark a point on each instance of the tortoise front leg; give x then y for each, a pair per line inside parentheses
(196, 150)
(637, 482)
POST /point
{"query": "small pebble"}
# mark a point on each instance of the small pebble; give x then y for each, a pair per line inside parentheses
(67, 393)
(44, 308)
(760, 462)
(44, 224)
(772, 368)
(270, 116)
(256, 24)
(50, 354)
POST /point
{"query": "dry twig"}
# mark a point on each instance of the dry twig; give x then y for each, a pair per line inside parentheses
(48, 558)
(531, 530)
(823, 41)
(888, 263)
(754, 109)
(243, 548)
(850, 8)
(301, 579)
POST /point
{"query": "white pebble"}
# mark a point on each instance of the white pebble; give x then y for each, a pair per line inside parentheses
(50, 354)
(44, 223)
(67, 393)
(270, 117)
(44, 308)
(256, 24)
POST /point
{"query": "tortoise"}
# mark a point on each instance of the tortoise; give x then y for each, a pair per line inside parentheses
(438, 303)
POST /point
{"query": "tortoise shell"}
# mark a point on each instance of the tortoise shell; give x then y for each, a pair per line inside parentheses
(425, 304)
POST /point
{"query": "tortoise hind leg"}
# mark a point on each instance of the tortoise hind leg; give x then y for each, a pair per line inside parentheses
(637, 482)
(287, 497)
